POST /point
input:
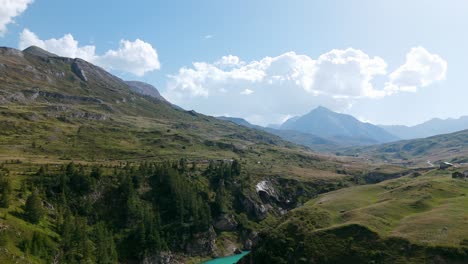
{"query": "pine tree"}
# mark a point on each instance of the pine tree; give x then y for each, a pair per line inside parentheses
(105, 245)
(33, 208)
(5, 191)
(236, 167)
(221, 200)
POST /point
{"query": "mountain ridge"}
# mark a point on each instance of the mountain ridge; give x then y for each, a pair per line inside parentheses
(432, 127)
(325, 123)
(145, 89)
(315, 143)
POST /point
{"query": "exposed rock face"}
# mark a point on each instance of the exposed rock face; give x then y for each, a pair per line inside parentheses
(11, 52)
(89, 116)
(202, 244)
(266, 191)
(145, 89)
(254, 208)
(162, 258)
(70, 98)
(249, 239)
(78, 70)
(268, 196)
(225, 223)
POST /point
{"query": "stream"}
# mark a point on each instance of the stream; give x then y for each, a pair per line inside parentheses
(227, 260)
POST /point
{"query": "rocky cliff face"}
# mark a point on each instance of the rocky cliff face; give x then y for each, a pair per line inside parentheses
(201, 244)
(145, 89)
(163, 258)
(226, 222)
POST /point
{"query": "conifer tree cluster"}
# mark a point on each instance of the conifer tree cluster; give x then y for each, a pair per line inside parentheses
(128, 212)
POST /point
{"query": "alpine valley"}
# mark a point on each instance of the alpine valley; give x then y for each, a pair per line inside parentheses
(95, 169)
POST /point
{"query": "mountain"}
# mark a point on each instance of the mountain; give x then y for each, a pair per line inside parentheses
(313, 142)
(274, 126)
(429, 128)
(93, 171)
(145, 89)
(34, 50)
(239, 121)
(75, 101)
(342, 128)
(422, 152)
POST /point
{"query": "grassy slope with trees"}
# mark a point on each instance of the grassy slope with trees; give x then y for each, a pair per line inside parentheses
(412, 219)
(93, 172)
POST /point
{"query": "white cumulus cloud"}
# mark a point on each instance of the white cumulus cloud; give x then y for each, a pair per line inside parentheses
(137, 57)
(421, 69)
(9, 9)
(346, 74)
(229, 61)
(65, 46)
(292, 84)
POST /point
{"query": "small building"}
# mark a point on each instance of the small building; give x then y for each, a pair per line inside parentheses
(445, 165)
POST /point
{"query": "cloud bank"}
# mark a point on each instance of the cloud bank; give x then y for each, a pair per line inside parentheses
(137, 57)
(9, 9)
(273, 88)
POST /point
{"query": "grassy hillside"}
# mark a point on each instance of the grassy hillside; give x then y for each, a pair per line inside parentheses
(82, 142)
(413, 219)
(57, 108)
(448, 147)
(133, 178)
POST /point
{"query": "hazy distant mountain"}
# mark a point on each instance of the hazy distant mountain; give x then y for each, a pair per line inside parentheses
(343, 128)
(435, 126)
(275, 126)
(314, 142)
(451, 147)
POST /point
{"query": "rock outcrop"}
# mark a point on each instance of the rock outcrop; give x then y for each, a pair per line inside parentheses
(202, 244)
(145, 89)
(76, 68)
(225, 222)
(162, 258)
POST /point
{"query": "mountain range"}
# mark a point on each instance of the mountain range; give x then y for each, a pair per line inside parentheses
(435, 126)
(324, 130)
(311, 141)
(325, 123)
(118, 154)
(94, 169)
(420, 152)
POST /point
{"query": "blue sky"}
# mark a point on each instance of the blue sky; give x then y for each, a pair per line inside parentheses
(248, 84)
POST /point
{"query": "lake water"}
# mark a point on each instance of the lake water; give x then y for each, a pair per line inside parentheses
(227, 260)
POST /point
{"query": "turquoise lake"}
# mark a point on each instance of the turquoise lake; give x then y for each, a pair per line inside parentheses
(227, 260)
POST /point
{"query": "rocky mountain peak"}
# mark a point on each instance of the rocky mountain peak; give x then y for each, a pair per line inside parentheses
(34, 50)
